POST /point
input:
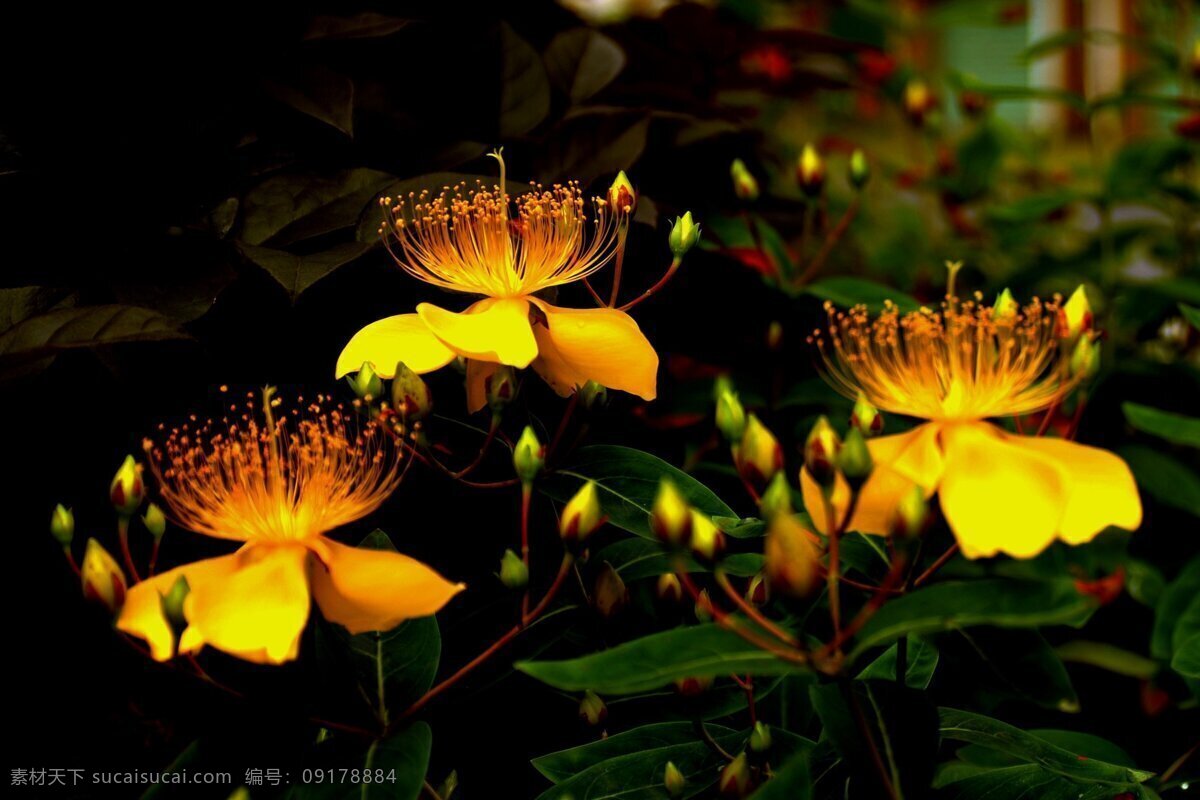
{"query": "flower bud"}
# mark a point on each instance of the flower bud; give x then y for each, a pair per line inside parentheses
(127, 489)
(810, 171)
(102, 577)
(791, 561)
(1196, 59)
(859, 169)
(673, 781)
(155, 521)
(581, 515)
(1006, 306)
(529, 456)
(758, 592)
(609, 595)
(707, 540)
(366, 383)
(973, 103)
(172, 604)
(865, 417)
(821, 452)
(684, 234)
(760, 737)
(622, 197)
(411, 397)
(704, 607)
(731, 417)
(758, 455)
(744, 184)
(593, 396)
(592, 709)
(500, 388)
(912, 514)
(668, 589)
(736, 780)
(691, 687)
(62, 525)
(774, 335)
(918, 100)
(671, 516)
(1085, 358)
(777, 499)
(514, 573)
(1075, 317)
(854, 458)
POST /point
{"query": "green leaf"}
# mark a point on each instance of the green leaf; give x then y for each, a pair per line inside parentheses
(979, 157)
(1186, 660)
(628, 480)
(289, 208)
(1163, 478)
(365, 25)
(959, 604)
(296, 274)
(1020, 782)
(639, 776)
(582, 61)
(1172, 609)
(1175, 428)
(593, 142)
(846, 292)
(559, 766)
(22, 302)
(964, 726)
(792, 781)
(524, 87)
(922, 661)
(1025, 665)
(1191, 314)
(83, 328)
(404, 755)
(319, 93)
(1031, 209)
(657, 660)
(1109, 657)
(1136, 170)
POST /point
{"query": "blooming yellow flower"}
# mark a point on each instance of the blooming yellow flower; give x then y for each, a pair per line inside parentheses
(484, 242)
(278, 487)
(957, 367)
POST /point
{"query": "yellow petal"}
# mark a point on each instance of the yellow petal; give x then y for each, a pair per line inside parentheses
(999, 496)
(600, 344)
(142, 615)
(495, 329)
(1102, 489)
(257, 610)
(391, 340)
(477, 374)
(825, 514)
(876, 503)
(915, 454)
(374, 590)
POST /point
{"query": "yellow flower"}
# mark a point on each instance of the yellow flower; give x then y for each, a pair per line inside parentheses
(482, 241)
(957, 367)
(278, 486)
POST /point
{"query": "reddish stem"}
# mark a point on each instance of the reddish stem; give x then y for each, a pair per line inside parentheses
(126, 555)
(753, 613)
(936, 565)
(670, 273)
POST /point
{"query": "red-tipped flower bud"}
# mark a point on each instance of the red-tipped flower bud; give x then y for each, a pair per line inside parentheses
(791, 560)
(127, 489)
(581, 516)
(102, 577)
(671, 516)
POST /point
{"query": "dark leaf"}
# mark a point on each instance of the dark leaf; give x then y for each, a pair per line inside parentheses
(587, 145)
(83, 328)
(319, 93)
(922, 661)
(846, 292)
(560, 766)
(1175, 428)
(524, 88)
(583, 61)
(297, 273)
(365, 25)
(1166, 480)
(285, 209)
(401, 760)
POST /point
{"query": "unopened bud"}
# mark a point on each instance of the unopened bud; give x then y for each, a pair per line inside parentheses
(758, 592)
(821, 452)
(691, 687)
(581, 516)
(500, 388)
(860, 169)
(1085, 358)
(1075, 317)
(758, 455)
(704, 607)
(912, 514)
(127, 489)
(609, 595)
(622, 197)
(810, 171)
(745, 186)
(791, 561)
(593, 396)
(736, 779)
(671, 516)
(366, 383)
(1196, 59)
(684, 234)
(514, 572)
(774, 335)
(62, 525)
(673, 781)
(707, 541)
(777, 498)
(529, 456)
(592, 709)
(102, 577)
(1006, 306)
(731, 416)
(973, 103)
(854, 458)
(865, 417)
(760, 737)
(668, 589)
(918, 100)
(411, 397)
(172, 604)
(155, 521)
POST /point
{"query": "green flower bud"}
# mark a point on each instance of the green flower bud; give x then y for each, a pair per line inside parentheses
(760, 737)
(810, 171)
(854, 458)
(684, 235)
(703, 608)
(744, 184)
(821, 452)
(411, 398)
(860, 169)
(514, 573)
(707, 540)
(912, 514)
(1006, 306)
(593, 396)
(127, 489)
(673, 781)
(529, 456)
(1075, 317)
(1085, 358)
(62, 525)
(731, 417)
(609, 595)
(155, 521)
(592, 709)
(581, 516)
(758, 591)
(366, 383)
(172, 604)
(622, 197)
(758, 456)
(777, 499)
(866, 417)
(671, 516)
(102, 577)
(736, 779)
(500, 388)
